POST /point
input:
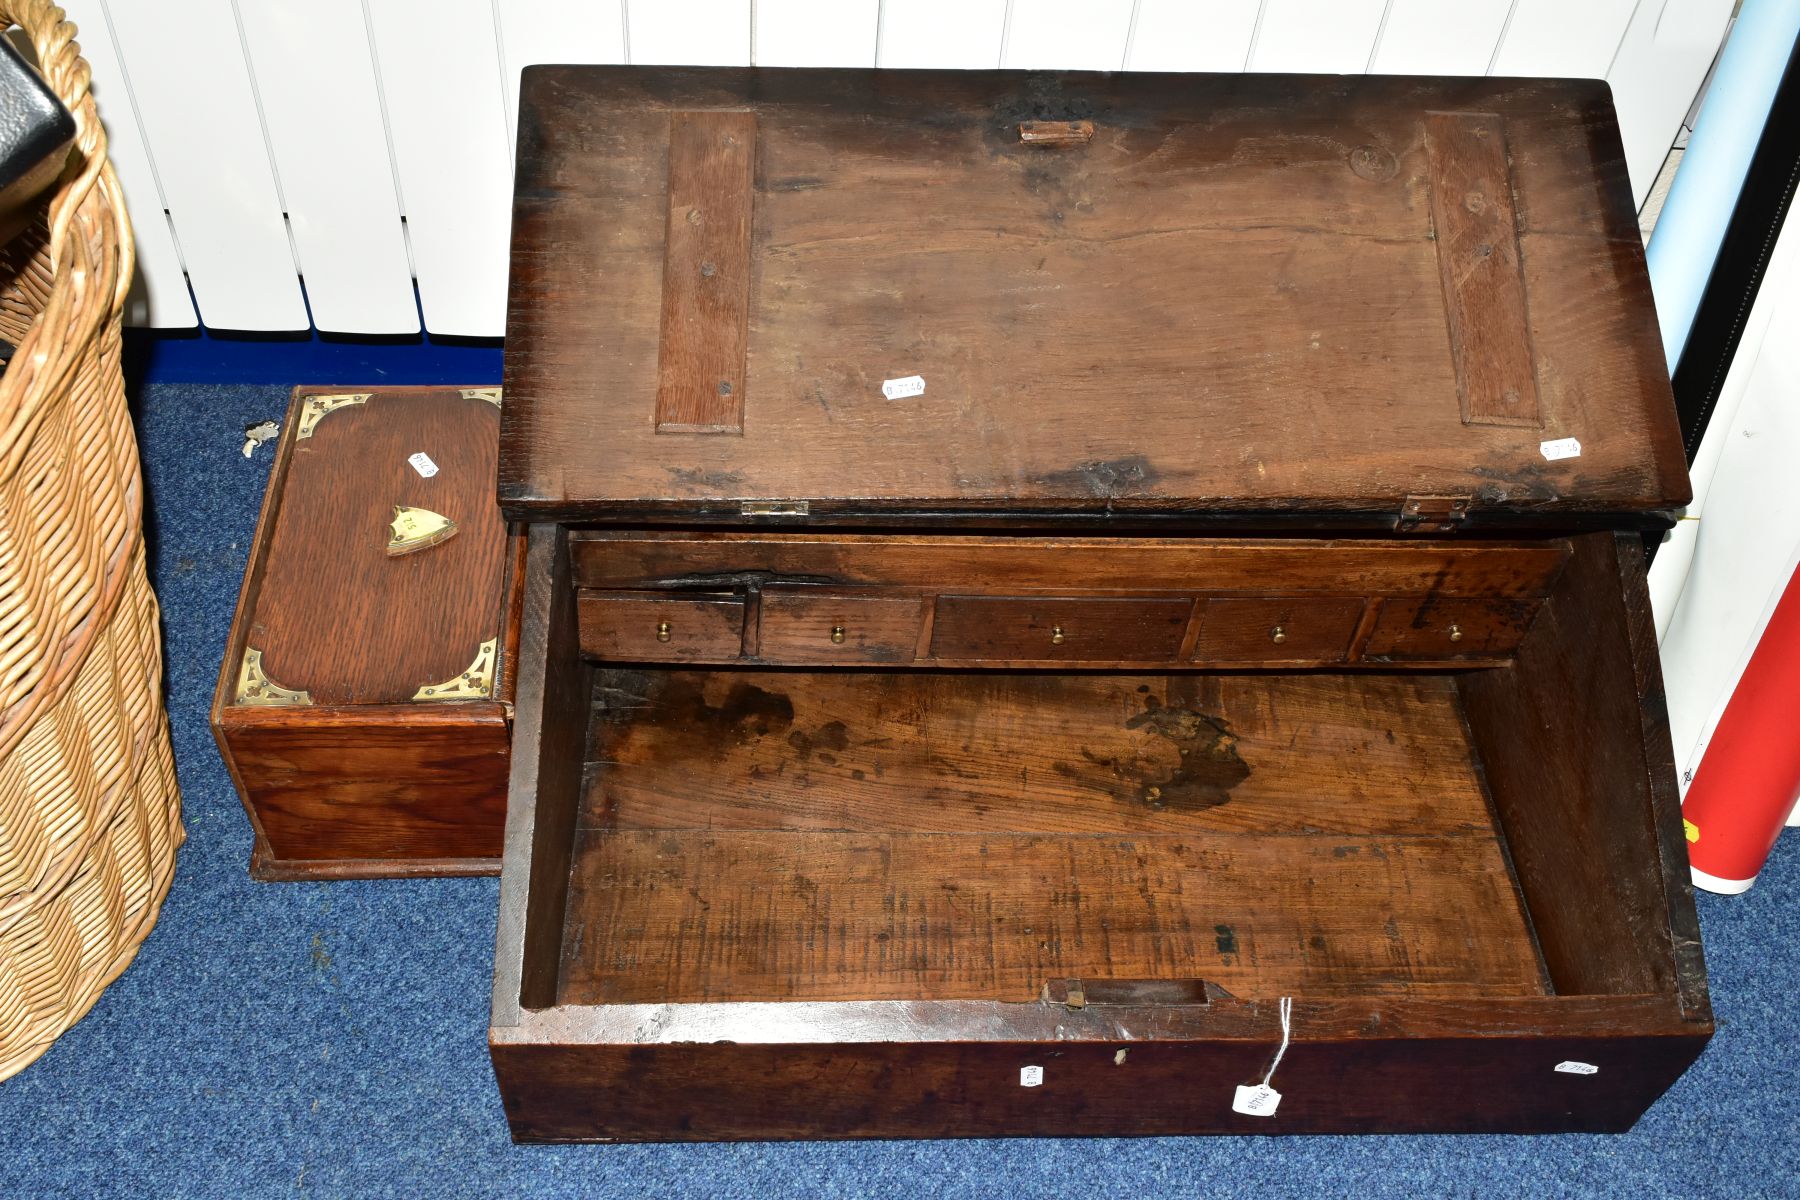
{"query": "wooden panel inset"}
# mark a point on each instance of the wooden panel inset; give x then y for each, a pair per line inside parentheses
(1478, 259)
(706, 273)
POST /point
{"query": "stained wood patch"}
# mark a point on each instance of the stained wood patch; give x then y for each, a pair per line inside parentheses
(706, 273)
(1478, 260)
(786, 836)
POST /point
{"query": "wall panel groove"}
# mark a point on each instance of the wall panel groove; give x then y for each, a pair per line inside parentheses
(368, 143)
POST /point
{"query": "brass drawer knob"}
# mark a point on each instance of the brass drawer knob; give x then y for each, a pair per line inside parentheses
(1456, 633)
(1278, 635)
(1057, 637)
(837, 635)
(662, 631)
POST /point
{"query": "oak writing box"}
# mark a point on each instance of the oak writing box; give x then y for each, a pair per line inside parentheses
(364, 701)
(1028, 572)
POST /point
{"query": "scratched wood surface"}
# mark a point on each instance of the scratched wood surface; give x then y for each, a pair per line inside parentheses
(1243, 264)
(764, 836)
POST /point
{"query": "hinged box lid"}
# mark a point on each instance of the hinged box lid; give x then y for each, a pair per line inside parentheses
(379, 572)
(841, 296)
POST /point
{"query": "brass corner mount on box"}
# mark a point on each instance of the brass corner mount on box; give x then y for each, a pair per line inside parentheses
(476, 682)
(316, 408)
(256, 690)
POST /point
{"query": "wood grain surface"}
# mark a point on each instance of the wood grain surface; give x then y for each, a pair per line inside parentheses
(1031, 753)
(1473, 217)
(335, 615)
(1244, 264)
(1442, 567)
(793, 836)
(390, 783)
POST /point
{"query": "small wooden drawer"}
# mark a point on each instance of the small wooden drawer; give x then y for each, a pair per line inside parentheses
(1058, 629)
(821, 625)
(1261, 629)
(1433, 629)
(652, 627)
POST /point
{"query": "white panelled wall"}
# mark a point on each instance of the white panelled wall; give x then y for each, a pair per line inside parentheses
(310, 161)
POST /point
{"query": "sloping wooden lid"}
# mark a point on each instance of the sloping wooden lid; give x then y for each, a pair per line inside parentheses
(949, 296)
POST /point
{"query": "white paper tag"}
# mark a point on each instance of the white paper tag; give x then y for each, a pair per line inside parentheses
(900, 389)
(1577, 1068)
(1560, 448)
(1259, 1100)
(421, 462)
(1031, 1076)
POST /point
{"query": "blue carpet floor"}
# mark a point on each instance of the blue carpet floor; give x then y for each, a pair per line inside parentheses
(329, 1039)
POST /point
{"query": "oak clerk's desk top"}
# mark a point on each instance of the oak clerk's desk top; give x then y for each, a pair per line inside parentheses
(998, 295)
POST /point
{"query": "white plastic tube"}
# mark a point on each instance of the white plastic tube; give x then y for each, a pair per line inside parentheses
(1688, 232)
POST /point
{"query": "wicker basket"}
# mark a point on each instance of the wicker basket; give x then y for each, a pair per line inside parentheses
(89, 813)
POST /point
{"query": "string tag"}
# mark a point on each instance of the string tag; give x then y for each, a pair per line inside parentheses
(1261, 1100)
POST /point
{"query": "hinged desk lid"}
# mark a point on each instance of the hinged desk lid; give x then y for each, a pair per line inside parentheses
(840, 295)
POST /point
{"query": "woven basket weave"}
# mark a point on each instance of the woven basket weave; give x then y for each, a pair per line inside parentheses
(89, 813)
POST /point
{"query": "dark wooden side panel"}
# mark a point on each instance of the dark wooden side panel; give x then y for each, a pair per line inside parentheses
(706, 273)
(1561, 735)
(549, 733)
(1503, 1082)
(1478, 259)
(369, 785)
(1671, 843)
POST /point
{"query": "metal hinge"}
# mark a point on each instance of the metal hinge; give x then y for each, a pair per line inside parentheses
(775, 508)
(1432, 514)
